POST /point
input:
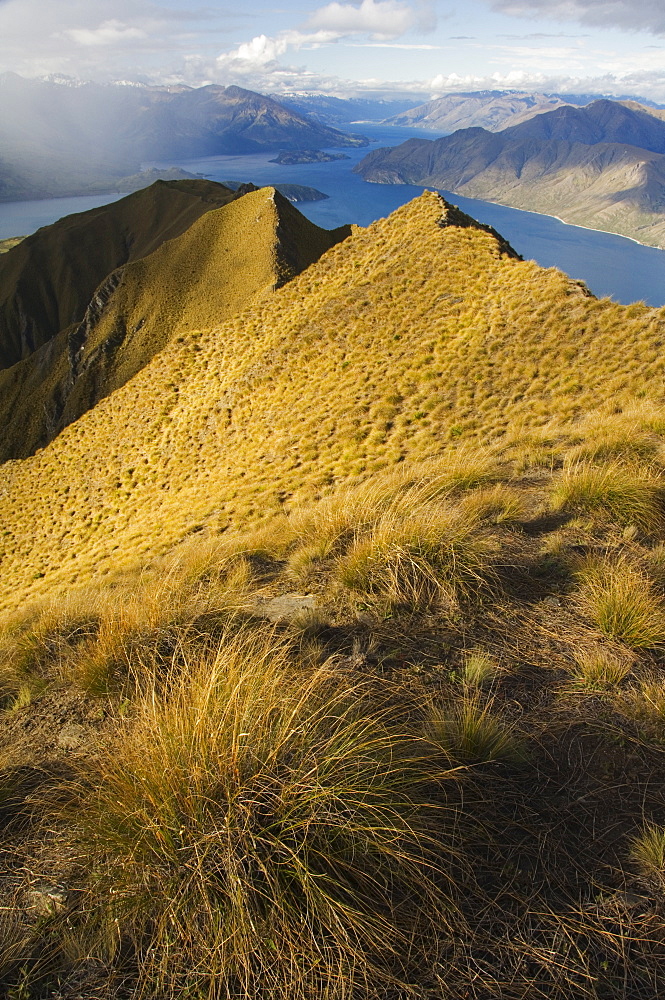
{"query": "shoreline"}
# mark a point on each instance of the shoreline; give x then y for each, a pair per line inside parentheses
(546, 215)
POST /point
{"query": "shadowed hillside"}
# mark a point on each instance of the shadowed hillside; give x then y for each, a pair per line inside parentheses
(332, 643)
(220, 263)
(47, 281)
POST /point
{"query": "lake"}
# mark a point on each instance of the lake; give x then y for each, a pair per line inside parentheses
(610, 265)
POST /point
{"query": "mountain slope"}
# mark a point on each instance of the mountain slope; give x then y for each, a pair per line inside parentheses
(57, 139)
(360, 362)
(594, 178)
(47, 281)
(222, 262)
(491, 110)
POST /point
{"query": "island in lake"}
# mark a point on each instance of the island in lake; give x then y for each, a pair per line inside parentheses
(287, 157)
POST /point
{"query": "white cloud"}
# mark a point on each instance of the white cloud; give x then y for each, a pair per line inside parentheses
(630, 15)
(647, 83)
(256, 62)
(382, 19)
(107, 33)
(105, 39)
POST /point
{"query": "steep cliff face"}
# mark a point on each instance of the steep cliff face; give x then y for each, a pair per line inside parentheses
(219, 265)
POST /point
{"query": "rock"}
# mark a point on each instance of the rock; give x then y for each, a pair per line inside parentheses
(72, 736)
(47, 899)
(285, 606)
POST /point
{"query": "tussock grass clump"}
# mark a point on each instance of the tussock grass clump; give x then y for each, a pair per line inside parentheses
(480, 670)
(464, 468)
(598, 669)
(627, 496)
(257, 833)
(620, 600)
(647, 851)
(644, 704)
(498, 505)
(471, 731)
(418, 558)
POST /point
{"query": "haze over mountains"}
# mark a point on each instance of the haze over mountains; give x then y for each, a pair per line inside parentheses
(601, 166)
(57, 139)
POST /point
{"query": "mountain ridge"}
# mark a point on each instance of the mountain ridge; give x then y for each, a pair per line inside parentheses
(60, 140)
(225, 259)
(360, 361)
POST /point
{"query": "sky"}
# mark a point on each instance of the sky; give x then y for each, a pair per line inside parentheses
(366, 47)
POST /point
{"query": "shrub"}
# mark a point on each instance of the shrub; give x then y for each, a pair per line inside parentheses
(255, 833)
(619, 599)
(622, 494)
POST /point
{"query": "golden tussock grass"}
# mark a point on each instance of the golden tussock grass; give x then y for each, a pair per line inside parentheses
(620, 600)
(626, 495)
(345, 371)
(274, 842)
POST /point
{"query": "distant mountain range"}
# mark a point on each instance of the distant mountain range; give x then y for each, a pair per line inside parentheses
(491, 110)
(339, 111)
(601, 166)
(57, 140)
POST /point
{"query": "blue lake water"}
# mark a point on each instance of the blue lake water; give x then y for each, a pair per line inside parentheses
(610, 265)
(22, 218)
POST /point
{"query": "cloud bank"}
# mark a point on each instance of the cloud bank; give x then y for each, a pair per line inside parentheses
(629, 15)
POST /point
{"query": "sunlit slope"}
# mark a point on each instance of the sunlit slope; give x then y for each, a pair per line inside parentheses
(217, 267)
(408, 336)
(47, 281)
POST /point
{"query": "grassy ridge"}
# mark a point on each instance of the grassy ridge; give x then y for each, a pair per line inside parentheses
(221, 263)
(362, 361)
(48, 279)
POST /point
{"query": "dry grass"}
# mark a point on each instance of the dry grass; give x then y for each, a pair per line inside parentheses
(345, 371)
(418, 557)
(627, 496)
(332, 439)
(472, 731)
(480, 670)
(619, 599)
(255, 832)
(647, 851)
(644, 705)
(598, 670)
